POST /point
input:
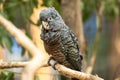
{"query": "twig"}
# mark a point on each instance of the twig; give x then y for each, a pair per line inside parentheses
(4, 64)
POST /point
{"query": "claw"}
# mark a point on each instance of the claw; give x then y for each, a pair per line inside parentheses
(51, 58)
(53, 66)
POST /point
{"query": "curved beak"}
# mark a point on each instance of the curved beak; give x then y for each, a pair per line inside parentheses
(45, 25)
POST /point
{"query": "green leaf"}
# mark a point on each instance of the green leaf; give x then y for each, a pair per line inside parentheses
(1, 1)
(5, 38)
(19, 11)
(10, 76)
(6, 75)
(88, 8)
(111, 9)
(7, 42)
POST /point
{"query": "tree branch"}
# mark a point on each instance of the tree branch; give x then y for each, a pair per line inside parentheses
(4, 64)
(74, 74)
(62, 69)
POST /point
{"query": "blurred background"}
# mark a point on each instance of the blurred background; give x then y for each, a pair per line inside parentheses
(96, 23)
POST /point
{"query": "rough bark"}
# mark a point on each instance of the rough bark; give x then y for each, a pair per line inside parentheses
(6, 65)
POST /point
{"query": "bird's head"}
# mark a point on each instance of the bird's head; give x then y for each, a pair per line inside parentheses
(51, 20)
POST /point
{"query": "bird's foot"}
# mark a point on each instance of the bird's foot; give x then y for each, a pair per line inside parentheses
(51, 58)
(53, 66)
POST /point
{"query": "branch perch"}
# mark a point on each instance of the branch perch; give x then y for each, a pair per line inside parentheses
(60, 68)
(74, 74)
(4, 64)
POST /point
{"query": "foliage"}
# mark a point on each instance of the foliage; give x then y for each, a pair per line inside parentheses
(6, 75)
(24, 6)
(111, 9)
(52, 3)
(90, 7)
(18, 11)
(5, 39)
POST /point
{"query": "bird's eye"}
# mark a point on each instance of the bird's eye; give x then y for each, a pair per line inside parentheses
(49, 19)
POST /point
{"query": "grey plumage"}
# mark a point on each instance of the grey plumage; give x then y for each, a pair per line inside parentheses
(59, 40)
